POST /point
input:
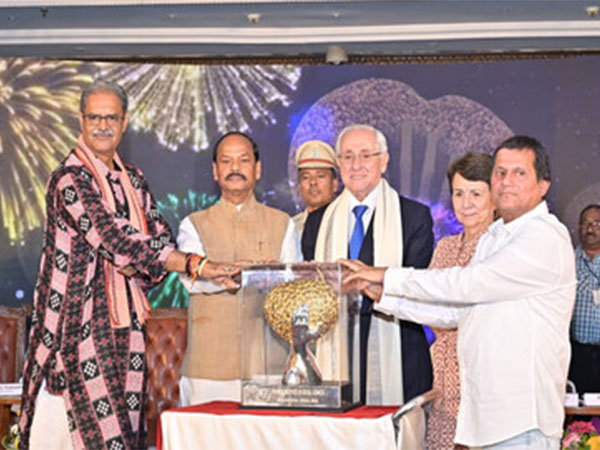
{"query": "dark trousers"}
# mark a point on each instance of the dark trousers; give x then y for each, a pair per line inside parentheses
(585, 367)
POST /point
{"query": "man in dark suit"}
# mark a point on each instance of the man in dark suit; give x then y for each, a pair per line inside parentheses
(366, 222)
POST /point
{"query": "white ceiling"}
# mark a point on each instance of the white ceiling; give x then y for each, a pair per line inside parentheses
(185, 28)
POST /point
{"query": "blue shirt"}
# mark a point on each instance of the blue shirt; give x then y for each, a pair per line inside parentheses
(585, 326)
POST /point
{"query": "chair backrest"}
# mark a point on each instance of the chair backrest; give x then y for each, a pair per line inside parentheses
(166, 340)
(410, 420)
(12, 342)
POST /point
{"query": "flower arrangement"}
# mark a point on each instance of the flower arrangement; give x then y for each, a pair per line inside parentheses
(582, 435)
(11, 440)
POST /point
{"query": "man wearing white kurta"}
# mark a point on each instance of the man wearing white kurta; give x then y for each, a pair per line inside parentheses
(238, 228)
(512, 306)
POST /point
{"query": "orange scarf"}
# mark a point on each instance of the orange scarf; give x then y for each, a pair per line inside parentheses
(116, 282)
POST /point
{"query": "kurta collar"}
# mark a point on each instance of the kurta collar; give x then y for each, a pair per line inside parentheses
(245, 206)
(499, 226)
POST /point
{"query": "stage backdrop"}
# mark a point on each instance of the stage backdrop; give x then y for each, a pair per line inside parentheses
(430, 112)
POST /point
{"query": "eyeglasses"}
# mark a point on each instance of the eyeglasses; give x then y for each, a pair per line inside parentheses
(349, 158)
(111, 119)
(593, 224)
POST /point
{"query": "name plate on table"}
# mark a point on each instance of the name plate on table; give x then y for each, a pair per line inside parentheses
(572, 400)
(324, 397)
(591, 399)
(11, 390)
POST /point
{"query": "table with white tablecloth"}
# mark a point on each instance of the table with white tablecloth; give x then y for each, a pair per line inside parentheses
(224, 425)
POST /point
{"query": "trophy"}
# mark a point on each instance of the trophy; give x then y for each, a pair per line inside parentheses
(298, 338)
(301, 312)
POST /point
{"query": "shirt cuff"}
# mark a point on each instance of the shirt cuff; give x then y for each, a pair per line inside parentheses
(200, 286)
(393, 280)
(386, 305)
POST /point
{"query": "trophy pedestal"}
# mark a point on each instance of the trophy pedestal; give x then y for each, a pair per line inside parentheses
(271, 394)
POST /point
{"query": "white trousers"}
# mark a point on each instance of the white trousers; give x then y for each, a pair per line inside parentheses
(50, 428)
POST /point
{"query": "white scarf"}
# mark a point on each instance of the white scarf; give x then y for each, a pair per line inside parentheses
(384, 361)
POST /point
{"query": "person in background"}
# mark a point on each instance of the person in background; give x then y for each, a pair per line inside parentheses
(585, 325)
(317, 178)
(237, 229)
(469, 181)
(105, 244)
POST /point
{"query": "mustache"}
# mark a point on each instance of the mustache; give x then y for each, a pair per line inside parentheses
(108, 132)
(235, 174)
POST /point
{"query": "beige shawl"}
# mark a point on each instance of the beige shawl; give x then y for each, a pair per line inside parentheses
(384, 363)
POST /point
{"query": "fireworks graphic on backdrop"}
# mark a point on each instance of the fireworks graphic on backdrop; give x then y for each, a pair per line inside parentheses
(182, 103)
(38, 110)
(171, 293)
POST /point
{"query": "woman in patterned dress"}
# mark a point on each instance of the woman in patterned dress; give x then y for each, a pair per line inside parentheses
(469, 179)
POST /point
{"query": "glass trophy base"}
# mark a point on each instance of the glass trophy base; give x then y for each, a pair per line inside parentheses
(327, 397)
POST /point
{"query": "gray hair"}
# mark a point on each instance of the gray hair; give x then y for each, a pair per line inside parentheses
(103, 86)
(379, 136)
